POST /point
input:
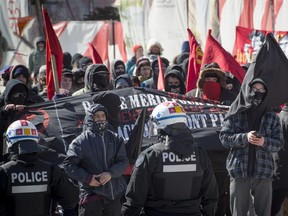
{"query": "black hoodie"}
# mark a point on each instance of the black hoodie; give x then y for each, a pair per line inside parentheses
(8, 116)
(179, 75)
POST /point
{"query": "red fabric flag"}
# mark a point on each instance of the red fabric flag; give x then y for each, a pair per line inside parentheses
(96, 58)
(214, 52)
(53, 48)
(160, 83)
(194, 64)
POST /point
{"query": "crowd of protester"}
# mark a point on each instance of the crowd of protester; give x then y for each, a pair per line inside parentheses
(103, 194)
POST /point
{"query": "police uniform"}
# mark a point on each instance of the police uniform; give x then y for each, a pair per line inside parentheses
(174, 176)
(28, 184)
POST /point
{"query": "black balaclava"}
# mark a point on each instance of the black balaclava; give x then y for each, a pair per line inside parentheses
(178, 74)
(16, 92)
(257, 97)
(97, 78)
(112, 102)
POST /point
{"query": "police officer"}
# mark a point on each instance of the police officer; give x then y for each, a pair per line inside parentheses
(27, 184)
(174, 176)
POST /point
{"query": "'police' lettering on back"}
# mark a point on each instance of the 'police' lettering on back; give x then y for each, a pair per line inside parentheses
(173, 163)
(22, 182)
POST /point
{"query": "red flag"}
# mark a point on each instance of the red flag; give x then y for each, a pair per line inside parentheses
(194, 64)
(214, 52)
(160, 83)
(94, 54)
(53, 48)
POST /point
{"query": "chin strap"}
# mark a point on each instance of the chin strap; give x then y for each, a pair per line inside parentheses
(166, 140)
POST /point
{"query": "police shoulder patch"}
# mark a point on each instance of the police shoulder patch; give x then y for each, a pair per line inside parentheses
(139, 160)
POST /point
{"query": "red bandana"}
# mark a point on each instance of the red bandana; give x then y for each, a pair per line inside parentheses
(211, 90)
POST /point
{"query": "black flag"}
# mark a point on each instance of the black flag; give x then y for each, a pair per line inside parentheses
(133, 146)
(270, 65)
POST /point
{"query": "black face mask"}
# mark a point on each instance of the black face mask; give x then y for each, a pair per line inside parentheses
(100, 82)
(256, 98)
(100, 126)
(174, 89)
(18, 99)
(119, 72)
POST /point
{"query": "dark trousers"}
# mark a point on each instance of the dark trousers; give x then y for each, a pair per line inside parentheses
(223, 205)
(278, 197)
(101, 207)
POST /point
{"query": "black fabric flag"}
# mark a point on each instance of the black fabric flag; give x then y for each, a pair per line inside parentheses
(271, 65)
(133, 146)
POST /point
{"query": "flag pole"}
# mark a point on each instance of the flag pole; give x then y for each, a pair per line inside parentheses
(55, 76)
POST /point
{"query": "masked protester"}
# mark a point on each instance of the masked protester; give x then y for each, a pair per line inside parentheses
(29, 185)
(117, 69)
(174, 80)
(21, 73)
(174, 176)
(253, 134)
(211, 84)
(97, 159)
(13, 100)
(96, 79)
(38, 57)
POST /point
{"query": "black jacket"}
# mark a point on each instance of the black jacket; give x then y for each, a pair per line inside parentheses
(8, 116)
(173, 178)
(28, 185)
(92, 153)
(281, 177)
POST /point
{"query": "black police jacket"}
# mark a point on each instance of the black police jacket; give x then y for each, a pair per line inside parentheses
(28, 185)
(167, 183)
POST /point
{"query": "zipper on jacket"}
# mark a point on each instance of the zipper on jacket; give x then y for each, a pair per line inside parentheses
(105, 159)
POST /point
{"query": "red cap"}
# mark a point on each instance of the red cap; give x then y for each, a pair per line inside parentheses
(135, 47)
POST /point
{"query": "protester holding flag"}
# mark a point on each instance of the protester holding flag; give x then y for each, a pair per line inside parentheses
(96, 79)
(174, 176)
(253, 132)
(66, 84)
(250, 163)
(97, 160)
(211, 84)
